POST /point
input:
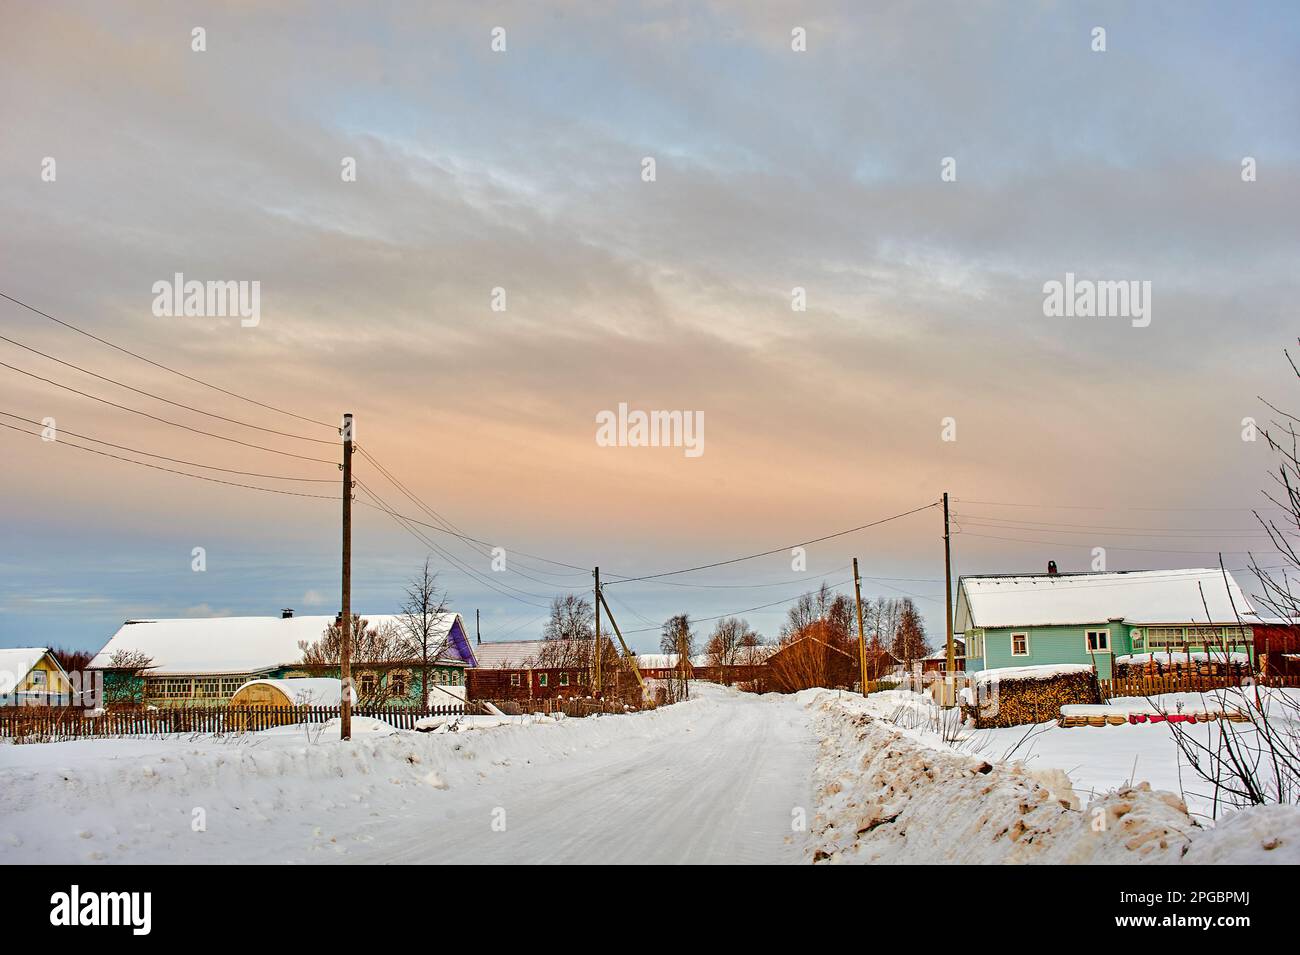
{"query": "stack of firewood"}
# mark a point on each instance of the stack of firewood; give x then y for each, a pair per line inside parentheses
(1016, 700)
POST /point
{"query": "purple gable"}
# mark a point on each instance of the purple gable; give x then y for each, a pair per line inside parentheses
(456, 638)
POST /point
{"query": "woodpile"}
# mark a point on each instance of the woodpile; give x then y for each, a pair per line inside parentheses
(1018, 700)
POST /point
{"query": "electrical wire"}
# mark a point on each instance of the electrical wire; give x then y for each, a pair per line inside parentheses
(163, 457)
(149, 361)
(149, 394)
(156, 467)
(777, 550)
(174, 424)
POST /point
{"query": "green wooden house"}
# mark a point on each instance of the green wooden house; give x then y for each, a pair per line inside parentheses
(1037, 619)
(198, 661)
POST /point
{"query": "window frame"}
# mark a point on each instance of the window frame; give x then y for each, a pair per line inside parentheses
(541, 679)
(1020, 633)
(1087, 643)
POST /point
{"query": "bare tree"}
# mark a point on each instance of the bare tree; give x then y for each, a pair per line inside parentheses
(379, 646)
(421, 622)
(130, 664)
(730, 637)
(1257, 760)
(909, 641)
(678, 638)
(572, 618)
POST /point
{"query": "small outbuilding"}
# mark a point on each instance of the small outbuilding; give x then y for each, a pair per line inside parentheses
(287, 693)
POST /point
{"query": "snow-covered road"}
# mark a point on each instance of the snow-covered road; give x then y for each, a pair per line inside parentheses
(722, 778)
(723, 789)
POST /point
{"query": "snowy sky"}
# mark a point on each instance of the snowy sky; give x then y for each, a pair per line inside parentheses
(522, 169)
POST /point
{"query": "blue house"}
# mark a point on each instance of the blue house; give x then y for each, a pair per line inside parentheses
(1035, 619)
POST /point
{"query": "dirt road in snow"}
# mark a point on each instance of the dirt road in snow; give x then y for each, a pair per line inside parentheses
(722, 789)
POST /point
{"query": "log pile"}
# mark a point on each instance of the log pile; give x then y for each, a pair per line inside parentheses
(1026, 698)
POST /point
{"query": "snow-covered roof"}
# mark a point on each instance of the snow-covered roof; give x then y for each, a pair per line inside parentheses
(506, 654)
(660, 661)
(958, 647)
(308, 691)
(16, 663)
(233, 644)
(1136, 597)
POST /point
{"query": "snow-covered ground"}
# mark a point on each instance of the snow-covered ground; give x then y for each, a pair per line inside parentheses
(715, 779)
(725, 777)
(890, 788)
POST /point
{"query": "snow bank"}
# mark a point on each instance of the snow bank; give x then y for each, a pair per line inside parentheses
(885, 795)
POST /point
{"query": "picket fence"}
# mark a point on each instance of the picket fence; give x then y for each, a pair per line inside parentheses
(21, 722)
(1152, 684)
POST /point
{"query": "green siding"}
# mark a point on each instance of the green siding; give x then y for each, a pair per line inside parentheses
(1049, 645)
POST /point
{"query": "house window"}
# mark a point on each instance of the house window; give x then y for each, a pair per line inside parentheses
(564, 679)
(514, 679)
(1020, 644)
(1097, 641)
(367, 684)
(397, 684)
(38, 678)
(541, 679)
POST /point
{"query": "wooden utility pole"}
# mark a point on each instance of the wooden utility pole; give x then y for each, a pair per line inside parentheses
(862, 640)
(596, 684)
(628, 655)
(345, 643)
(947, 573)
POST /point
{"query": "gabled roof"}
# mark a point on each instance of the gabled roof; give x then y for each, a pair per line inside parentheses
(242, 644)
(522, 654)
(1136, 597)
(17, 662)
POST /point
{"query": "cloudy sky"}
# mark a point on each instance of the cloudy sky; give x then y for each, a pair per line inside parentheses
(522, 170)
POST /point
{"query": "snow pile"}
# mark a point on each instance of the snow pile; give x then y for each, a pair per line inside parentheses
(886, 795)
(1043, 672)
(1182, 657)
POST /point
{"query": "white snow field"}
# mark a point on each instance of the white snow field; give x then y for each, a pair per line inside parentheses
(726, 777)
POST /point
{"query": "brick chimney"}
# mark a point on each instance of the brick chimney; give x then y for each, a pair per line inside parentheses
(286, 613)
(1051, 568)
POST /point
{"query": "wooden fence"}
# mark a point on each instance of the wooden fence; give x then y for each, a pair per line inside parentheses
(1155, 684)
(575, 708)
(73, 723)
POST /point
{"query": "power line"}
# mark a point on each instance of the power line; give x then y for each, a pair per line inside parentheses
(406, 522)
(157, 467)
(1103, 526)
(174, 424)
(149, 361)
(163, 457)
(1145, 550)
(967, 521)
(449, 528)
(149, 394)
(1096, 507)
(777, 550)
(733, 613)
